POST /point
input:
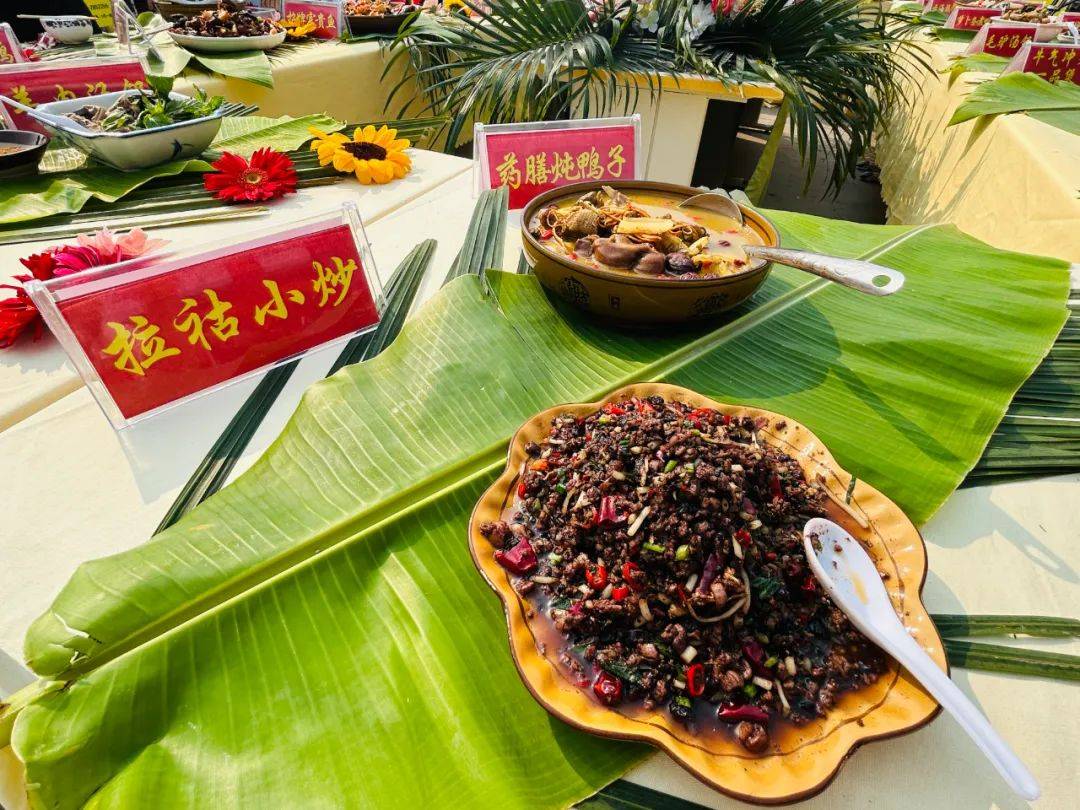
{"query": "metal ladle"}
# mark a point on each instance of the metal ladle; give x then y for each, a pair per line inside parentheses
(854, 273)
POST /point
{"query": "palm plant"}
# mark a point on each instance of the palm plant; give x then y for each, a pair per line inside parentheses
(837, 61)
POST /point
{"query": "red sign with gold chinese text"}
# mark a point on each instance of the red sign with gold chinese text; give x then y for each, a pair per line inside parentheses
(1006, 40)
(10, 49)
(186, 325)
(38, 83)
(1055, 62)
(325, 16)
(939, 5)
(971, 18)
(531, 162)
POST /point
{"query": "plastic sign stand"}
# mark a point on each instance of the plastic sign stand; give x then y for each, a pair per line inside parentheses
(10, 49)
(1006, 37)
(159, 330)
(533, 157)
(1054, 61)
(971, 18)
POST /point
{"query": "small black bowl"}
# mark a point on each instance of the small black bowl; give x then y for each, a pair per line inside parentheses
(25, 161)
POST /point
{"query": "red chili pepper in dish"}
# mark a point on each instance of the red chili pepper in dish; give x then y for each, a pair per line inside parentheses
(809, 584)
(613, 409)
(597, 579)
(756, 656)
(629, 570)
(521, 559)
(699, 414)
(682, 594)
(607, 511)
(727, 419)
(545, 233)
(695, 680)
(608, 689)
(620, 593)
(521, 489)
(737, 714)
(774, 488)
(743, 536)
(540, 464)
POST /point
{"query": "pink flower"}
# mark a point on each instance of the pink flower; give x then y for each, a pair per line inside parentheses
(101, 248)
(76, 258)
(136, 243)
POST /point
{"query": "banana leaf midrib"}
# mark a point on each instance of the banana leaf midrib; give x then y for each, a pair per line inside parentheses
(445, 480)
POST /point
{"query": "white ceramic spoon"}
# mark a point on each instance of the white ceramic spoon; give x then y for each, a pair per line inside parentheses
(849, 576)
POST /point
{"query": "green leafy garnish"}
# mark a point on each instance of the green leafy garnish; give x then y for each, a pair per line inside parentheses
(148, 110)
(766, 586)
(620, 670)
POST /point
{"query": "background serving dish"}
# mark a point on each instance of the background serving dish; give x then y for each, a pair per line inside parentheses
(809, 755)
(24, 161)
(68, 29)
(633, 298)
(228, 44)
(142, 148)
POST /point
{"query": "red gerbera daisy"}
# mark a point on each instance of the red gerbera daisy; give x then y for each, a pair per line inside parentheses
(16, 314)
(267, 175)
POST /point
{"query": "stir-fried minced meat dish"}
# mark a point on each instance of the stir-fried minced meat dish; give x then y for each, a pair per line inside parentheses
(665, 544)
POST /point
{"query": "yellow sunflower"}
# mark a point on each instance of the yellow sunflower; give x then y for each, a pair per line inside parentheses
(373, 155)
(326, 144)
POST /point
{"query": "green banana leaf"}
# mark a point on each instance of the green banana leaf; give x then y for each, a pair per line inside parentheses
(317, 630)
(245, 134)
(976, 62)
(67, 192)
(1055, 103)
(171, 60)
(248, 66)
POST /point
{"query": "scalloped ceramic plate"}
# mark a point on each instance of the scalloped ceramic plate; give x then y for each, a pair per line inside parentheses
(801, 761)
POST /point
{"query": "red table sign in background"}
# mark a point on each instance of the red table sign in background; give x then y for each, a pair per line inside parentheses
(37, 83)
(1006, 40)
(531, 162)
(971, 18)
(1054, 62)
(939, 5)
(158, 339)
(10, 49)
(327, 16)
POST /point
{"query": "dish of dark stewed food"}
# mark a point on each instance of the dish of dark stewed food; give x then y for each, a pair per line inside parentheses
(659, 547)
(643, 233)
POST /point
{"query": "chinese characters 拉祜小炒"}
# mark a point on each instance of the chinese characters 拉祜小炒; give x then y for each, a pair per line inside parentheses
(138, 344)
(541, 168)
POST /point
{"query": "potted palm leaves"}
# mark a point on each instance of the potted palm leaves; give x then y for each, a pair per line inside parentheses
(836, 61)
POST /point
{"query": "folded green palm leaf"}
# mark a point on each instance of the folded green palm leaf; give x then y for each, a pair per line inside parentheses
(317, 630)
(1054, 103)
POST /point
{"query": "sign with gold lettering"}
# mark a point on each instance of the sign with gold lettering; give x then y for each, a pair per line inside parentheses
(10, 49)
(944, 6)
(1054, 61)
(34, 83)
(1002, 38)
(325, 15)
(971, 18)
(145, 334)
(531, 158)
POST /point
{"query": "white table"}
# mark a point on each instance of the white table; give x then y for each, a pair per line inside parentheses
(1002, 549)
